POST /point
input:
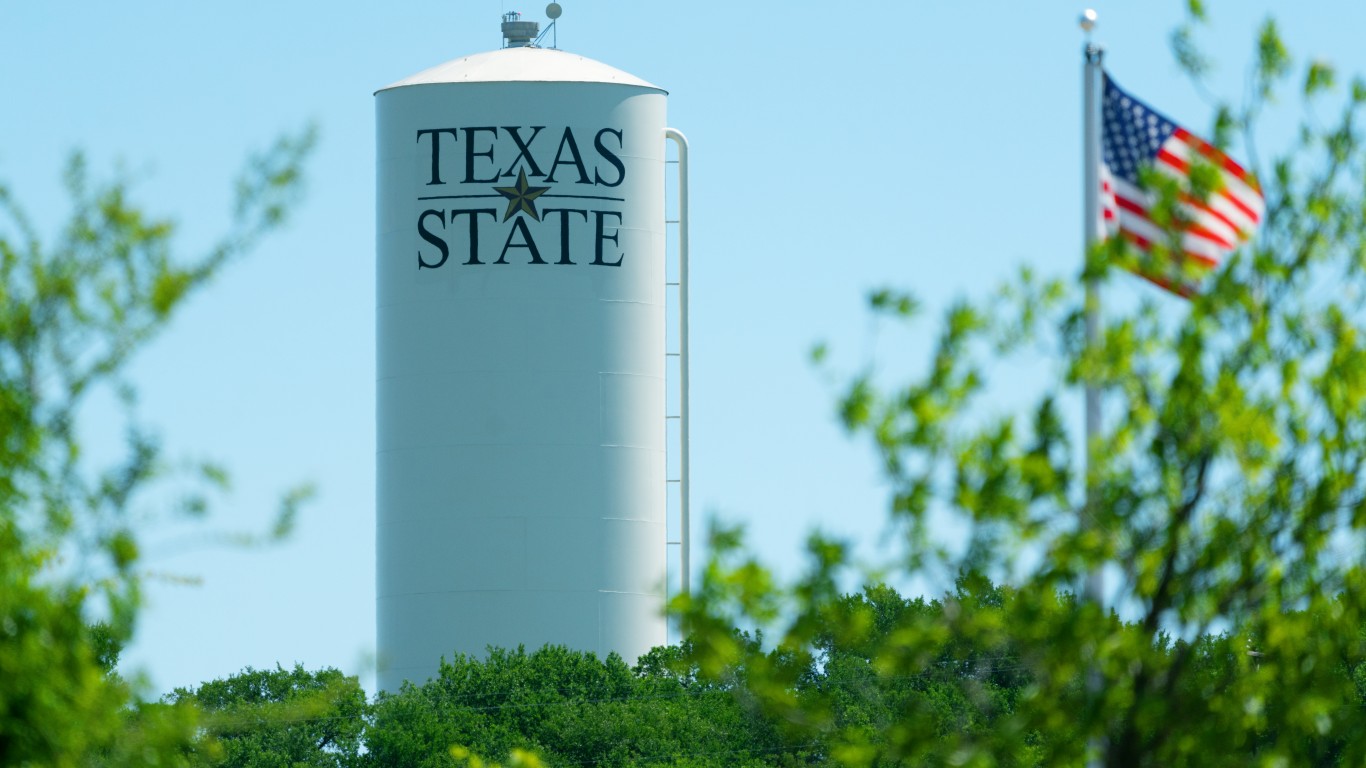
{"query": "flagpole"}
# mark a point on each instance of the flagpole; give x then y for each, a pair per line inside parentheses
(1091, 228)
(1092, 591)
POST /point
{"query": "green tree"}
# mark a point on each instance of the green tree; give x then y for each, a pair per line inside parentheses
(281, 718)
(1229, 510)
(837, 703)
(73, 310)
(569, 708)
(964, 688)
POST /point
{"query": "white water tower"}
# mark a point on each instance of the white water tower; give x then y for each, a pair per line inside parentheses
(521, 358)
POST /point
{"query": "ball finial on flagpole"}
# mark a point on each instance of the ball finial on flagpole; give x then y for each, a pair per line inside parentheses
(1087, 22)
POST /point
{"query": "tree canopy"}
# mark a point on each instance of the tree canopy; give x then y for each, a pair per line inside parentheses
(571, 709)
(281, 718)
(839, 703)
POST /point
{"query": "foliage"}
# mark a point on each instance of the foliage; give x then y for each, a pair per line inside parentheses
(557, 707)
(519, 758)
(73, 311)
(571, 709)
(1224, 501)
(283, 717)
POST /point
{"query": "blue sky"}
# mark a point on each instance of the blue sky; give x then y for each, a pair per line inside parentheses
(835, 149)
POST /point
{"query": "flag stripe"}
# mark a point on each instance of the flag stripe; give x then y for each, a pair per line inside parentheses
(1145, 243)
(1137, 203)
(1220, 213)
(1236, 186)
(1212, 153)
(1238, 214)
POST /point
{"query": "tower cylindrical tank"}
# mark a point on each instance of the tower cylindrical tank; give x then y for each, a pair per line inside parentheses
(521, 362)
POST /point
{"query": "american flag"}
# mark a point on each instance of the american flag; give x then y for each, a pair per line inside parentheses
(1135, 136)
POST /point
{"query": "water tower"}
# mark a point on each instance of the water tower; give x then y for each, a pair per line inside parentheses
(521, 323)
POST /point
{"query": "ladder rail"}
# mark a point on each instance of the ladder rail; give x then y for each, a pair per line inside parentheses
(684, 516)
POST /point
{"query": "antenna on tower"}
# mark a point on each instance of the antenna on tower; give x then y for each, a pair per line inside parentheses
(552, 12)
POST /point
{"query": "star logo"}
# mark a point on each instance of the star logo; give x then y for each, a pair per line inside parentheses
(521, 198)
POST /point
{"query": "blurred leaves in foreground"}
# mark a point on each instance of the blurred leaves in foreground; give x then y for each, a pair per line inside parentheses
(1224, 502)
(74, 308)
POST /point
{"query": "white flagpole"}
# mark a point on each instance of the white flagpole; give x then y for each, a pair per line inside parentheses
(1094, 586)
(1091, 228)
